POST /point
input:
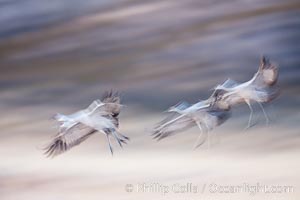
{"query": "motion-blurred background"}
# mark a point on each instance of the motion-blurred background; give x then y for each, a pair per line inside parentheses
(59, 55)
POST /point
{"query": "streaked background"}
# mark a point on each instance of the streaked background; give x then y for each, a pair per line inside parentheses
(59, 55)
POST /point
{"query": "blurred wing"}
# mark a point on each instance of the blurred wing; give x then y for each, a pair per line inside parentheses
(112, 103)
(229, 83)
(65, 141)
(267, 74)
(201, 105)
(111, 97)
(65, 122)
(182, 105)
(96, 106)
(177, 125)
(221, 94)
(110, 107)
(220, 90)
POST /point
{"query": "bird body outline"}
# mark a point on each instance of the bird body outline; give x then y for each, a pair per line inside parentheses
(261, 88)
(99, 116)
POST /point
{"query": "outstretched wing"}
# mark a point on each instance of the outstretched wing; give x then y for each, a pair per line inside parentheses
(112, 106)
(96, 106)
(220, 90)
(229, 83)
(182, 105)
(267, 74)
(172, 125)
(68, 139)
(109, 107)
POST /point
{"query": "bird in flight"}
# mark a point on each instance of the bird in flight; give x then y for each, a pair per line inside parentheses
(206, 115)
(262, 88)
(214, 111)
(100, 116)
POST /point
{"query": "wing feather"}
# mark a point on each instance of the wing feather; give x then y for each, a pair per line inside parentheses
(112, 103)
(66, 140)
(229, 83)
(172, 126)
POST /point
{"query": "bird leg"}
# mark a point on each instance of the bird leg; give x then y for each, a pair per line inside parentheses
(208, 136)
(109, 144)
(199, 126)
(251, 113)
(122, 137)
(117, 138)
(170, 122)
(265, 114)
(196, 145)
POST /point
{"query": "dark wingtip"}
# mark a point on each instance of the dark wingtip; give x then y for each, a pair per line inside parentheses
(126, 138)
(264, 60)
(55, 148)
(110, 93)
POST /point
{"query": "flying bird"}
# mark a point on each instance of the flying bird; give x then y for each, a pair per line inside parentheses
(206, 115)
(99, 116)
(262, 88)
